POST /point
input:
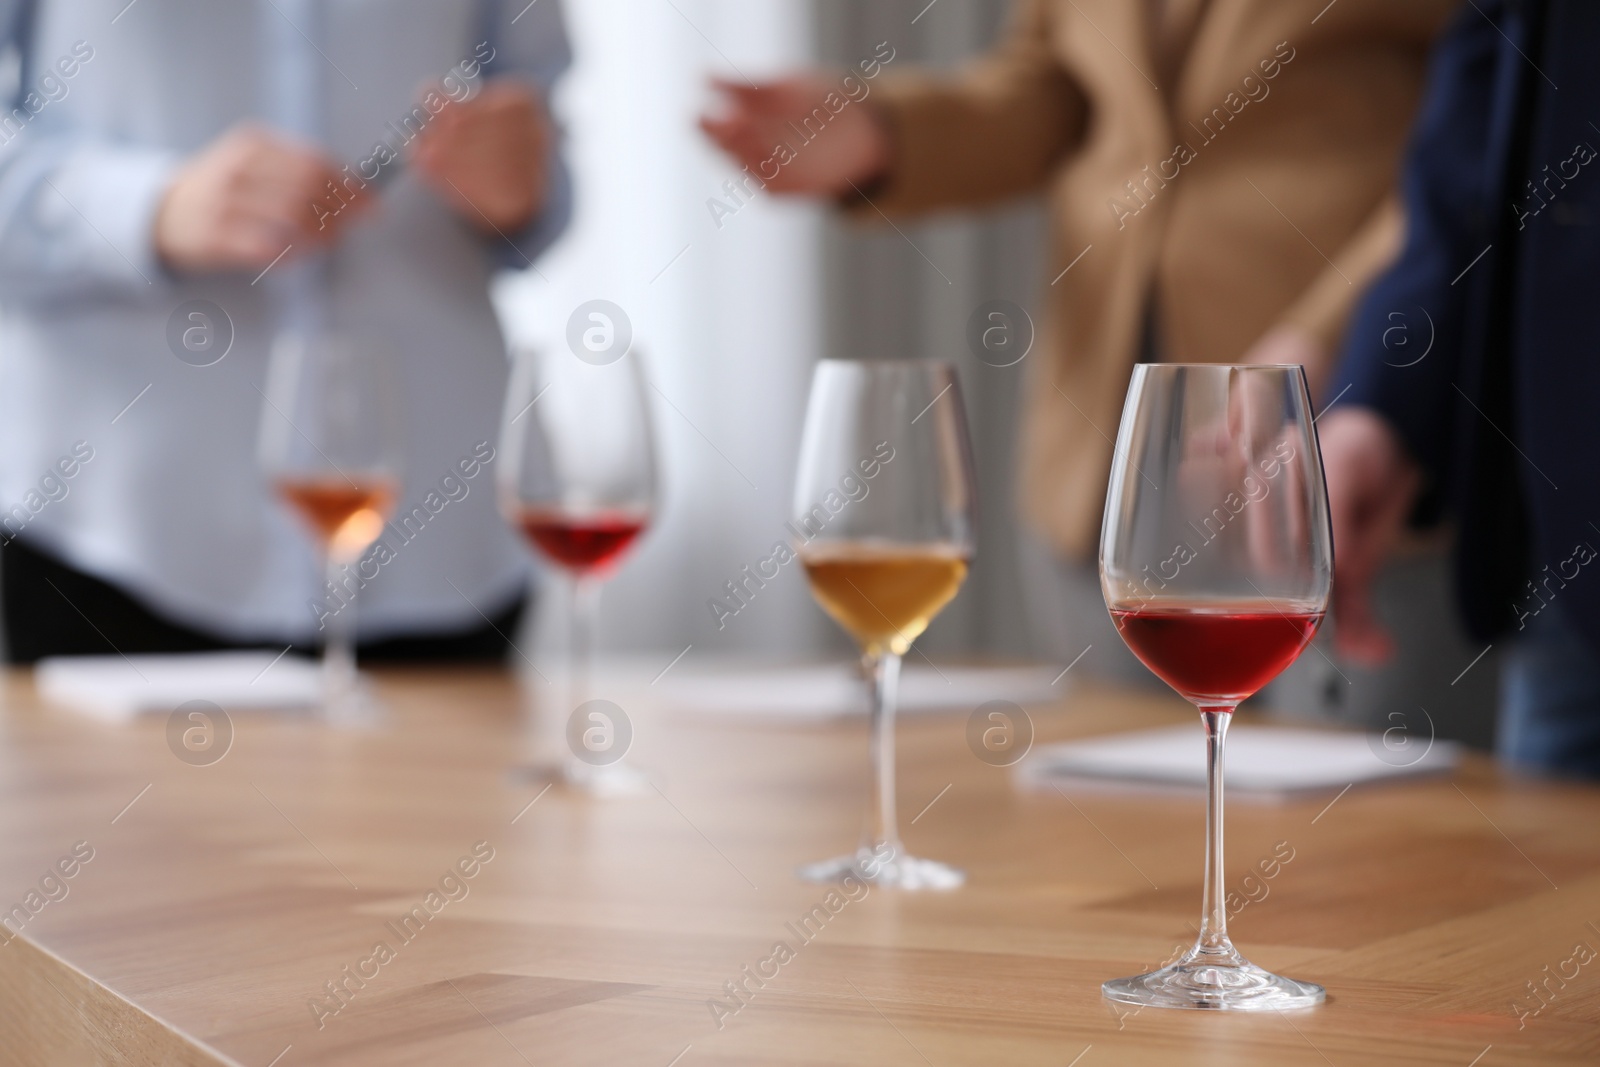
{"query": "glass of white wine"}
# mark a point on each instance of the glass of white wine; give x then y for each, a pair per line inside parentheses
(884, 518)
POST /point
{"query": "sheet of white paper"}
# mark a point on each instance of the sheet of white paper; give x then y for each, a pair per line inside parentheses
(836, 690)
(117, 688)
(1267, 760)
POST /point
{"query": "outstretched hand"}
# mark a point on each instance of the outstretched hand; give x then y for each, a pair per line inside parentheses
(850, 149)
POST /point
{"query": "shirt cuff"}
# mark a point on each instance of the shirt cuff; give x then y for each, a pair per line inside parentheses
(116, 191)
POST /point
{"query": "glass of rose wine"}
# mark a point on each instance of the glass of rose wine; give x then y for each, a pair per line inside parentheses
(578, 481)
(884, 515)
(1216, 560)
(331, 445)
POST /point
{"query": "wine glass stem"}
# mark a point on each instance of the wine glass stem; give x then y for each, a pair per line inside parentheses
(585, 608)
(1213, 938)
(338, 650)
(883, 674)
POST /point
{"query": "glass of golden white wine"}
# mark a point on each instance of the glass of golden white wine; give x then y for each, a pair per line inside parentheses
(883, 518)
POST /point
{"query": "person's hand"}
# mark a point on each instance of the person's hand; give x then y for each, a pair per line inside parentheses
(488, 157)
(245, 198)
(852, 150)
(1372, 484)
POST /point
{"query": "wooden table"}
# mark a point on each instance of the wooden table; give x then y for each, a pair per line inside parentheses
(221, 900)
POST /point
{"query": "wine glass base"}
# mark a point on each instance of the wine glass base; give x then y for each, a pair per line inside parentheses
(353, 707)
(611, 780)
(899, 871)
(1225, 983)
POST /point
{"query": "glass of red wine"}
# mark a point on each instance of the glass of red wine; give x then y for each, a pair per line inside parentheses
(331, 442)
(578, 481)
(1216, 560)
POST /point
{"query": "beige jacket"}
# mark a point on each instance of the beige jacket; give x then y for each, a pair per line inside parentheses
(1245, 181)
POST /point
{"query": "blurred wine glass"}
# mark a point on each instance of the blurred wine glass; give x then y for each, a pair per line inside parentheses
(1216, 560)
(884, 508)
(331, 444)
(578, 481)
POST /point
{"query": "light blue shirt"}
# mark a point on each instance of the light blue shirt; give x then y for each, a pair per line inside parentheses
(173, 505)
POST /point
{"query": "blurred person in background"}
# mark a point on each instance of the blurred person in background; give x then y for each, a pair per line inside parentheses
(1219, 176)
(380, 161)
(1491, 427)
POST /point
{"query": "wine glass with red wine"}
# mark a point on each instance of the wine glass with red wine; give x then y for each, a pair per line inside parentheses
(1216, 560)
(578, 481)
(331, 444)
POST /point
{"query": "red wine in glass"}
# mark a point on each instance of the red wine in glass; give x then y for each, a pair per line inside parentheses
(582, 544)
(1216, 655)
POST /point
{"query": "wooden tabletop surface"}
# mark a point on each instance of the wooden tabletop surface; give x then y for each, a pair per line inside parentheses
(208, 907)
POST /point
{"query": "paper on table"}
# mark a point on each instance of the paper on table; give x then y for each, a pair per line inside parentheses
(117, 688)
(836, 690)
(1269, 761)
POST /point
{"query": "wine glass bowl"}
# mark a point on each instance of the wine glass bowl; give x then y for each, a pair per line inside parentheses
(1216, 561)
(578, 482)
(1242, 513)
(884, 515)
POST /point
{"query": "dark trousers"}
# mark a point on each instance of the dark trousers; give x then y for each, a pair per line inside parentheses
(51, 609)
(1549, 696)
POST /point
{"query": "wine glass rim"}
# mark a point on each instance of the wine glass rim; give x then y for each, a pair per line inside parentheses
(1228, 366)
(875, 362)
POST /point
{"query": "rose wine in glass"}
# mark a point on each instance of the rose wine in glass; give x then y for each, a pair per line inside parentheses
(331, 445)
(884, 513)
(579, 483)
(1216, 560)
(345, 516)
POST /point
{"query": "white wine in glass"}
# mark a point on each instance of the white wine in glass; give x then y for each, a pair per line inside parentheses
(331, 447)
(884, 510)
(1216, 560)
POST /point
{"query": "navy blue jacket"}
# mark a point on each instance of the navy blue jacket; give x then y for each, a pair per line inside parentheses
(1480, 344)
